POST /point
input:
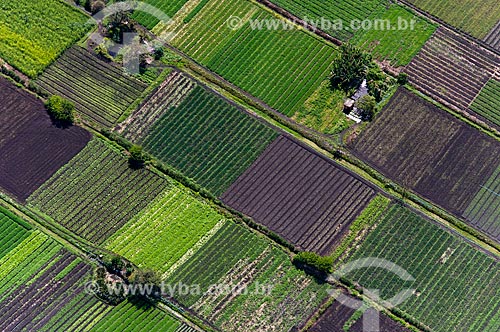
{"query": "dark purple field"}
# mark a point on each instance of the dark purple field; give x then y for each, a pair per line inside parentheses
(300, 195)
(31, 146)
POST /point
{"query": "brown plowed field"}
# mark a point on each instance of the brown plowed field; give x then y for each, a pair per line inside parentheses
(304, 197)
(31, 146)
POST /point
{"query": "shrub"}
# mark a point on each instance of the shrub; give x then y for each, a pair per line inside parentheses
(366, 106)
(321, 263)
(137, 157)
(402, 78)
(60, 109)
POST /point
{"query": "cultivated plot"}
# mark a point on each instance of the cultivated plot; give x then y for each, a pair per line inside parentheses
(398, 42)
(166, 231)
(195, 130)
(449, 273)
(334, 318)
(42, 286)
(97, 192)
(430, 151)
(235, 258)
(451, 69)
(300, 195)
(487, 103)
(474, 17)
(100, 90)
(280, 66)
(31, 146)
(34, 33)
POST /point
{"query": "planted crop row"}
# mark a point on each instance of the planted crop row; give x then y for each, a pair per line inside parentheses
(449, 273)
(476, 18)
(237, 259)
(12, 232)
(487, 103)
(163, 233)
(300, 195)
(207, 138)
(162, 9)
(171, 93)
(397, 43)
(34, 33)
(484, 210)
(97, 192)
(130, 317)
(281, 66)
(77, 72)
(431, 152)
(451, 69)
(343, 10)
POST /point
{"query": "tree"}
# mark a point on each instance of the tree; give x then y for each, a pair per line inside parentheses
(60, 109)
(321, 263)
(402, 78)
(349, 67)
(137, 158)
(366, 106)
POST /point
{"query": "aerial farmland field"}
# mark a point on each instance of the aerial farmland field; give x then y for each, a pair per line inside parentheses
(474, 17)
(29, 41)
(449, 273)
(36, 270)
(266, 63)
(97, 192)
(77, 72)
(225, 185)
(190, 127)
(487, 103)
(237, 258)
(445, 157)
(300, 196)
(451, 69)
(31, 146)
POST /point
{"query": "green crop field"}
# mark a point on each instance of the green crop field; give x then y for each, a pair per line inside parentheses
(449, 273)
(398, 46)
(97, 192)
(159, 236)
(343, 10)
(472, 16)
(484, 210)
(127, 317)
(238, 259)
(280, 66)
(487, 103)
(150, 20)
(41, 286)
(207, 138)
(77, 72)
(13, 231)
(34, 33)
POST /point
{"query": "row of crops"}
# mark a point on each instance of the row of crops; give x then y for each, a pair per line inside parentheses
(474, 17)
(171, 93)
(451, 69)
(166, 231)
(97, 192)
(28, 28)
(449, 273)
(42, 289)
(435, 154)
(77, 72)
(281, 67)
(484, 210)
(487, 103)
(205, 136)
